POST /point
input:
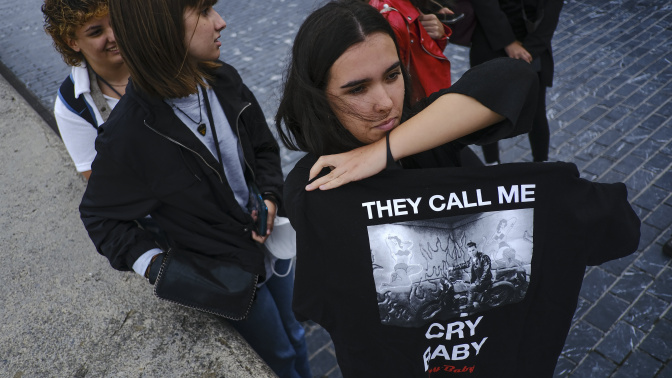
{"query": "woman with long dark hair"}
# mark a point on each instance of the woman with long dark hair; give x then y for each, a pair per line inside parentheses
(337, 100)
(402, 309)
(347, 92)
(189, 145)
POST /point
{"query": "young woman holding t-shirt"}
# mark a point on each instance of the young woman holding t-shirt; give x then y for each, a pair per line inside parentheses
(347, 90)
(347, 94)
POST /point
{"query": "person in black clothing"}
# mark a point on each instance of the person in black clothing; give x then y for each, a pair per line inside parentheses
(373, 256)
(188, 144)
(351, 96)
(481, 274)
(347, 89)
(519, 29)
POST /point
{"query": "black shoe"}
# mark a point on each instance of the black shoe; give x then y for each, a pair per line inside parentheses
(667, 247)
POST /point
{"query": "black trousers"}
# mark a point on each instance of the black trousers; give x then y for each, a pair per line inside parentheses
(539, 134)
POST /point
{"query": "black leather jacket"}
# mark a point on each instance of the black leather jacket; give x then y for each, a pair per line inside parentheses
(148, 162)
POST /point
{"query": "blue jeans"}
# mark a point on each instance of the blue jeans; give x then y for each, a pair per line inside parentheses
(272, 330)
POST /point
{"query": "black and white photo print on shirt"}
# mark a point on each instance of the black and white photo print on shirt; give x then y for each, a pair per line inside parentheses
(438, 269)
(433, 273)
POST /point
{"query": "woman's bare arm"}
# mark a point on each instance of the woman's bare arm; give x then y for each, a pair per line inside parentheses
(450, 117)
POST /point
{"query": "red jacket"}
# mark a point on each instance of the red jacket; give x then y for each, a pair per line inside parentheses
(428, 67)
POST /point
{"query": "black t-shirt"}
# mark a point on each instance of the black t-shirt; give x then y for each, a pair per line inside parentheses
(506, 86)
(385, 265)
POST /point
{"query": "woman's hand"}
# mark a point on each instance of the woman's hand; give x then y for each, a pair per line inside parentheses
(516, 51)
(270, 219)
(448, 118)
(445, 10)
(349, 166)
(432, 25)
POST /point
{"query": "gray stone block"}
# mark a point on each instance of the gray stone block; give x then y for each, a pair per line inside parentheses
(64, 311)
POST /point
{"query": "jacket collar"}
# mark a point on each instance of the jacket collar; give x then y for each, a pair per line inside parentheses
(80, 79)
(229, 90)
(159, 116)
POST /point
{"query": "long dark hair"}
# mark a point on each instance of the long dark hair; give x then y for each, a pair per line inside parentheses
(309, 122)
(150, 35)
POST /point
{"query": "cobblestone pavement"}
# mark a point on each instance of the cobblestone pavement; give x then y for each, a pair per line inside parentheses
(609, 112)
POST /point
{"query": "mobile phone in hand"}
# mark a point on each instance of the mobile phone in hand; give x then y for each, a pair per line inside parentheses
(257, 203)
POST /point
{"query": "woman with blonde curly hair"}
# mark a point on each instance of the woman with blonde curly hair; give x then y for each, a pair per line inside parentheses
(83, 36)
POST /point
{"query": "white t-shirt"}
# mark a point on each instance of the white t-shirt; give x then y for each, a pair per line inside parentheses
(78, 134)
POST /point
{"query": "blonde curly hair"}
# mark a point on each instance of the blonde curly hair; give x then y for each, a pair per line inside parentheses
(62, 18)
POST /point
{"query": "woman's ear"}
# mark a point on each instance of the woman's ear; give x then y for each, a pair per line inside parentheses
(72, 43)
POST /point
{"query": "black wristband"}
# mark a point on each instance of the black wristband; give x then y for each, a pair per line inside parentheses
(391, 164)
(155, 268)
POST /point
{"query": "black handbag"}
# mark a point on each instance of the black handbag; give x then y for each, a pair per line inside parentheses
(206, 283)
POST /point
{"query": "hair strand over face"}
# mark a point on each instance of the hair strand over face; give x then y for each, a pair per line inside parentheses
(151, 38)
(305, 120)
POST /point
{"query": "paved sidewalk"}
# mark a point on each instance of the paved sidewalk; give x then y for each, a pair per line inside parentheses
(63, 311)
(609, 111)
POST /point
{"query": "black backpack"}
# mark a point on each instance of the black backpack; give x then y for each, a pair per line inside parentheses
(76, 105)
